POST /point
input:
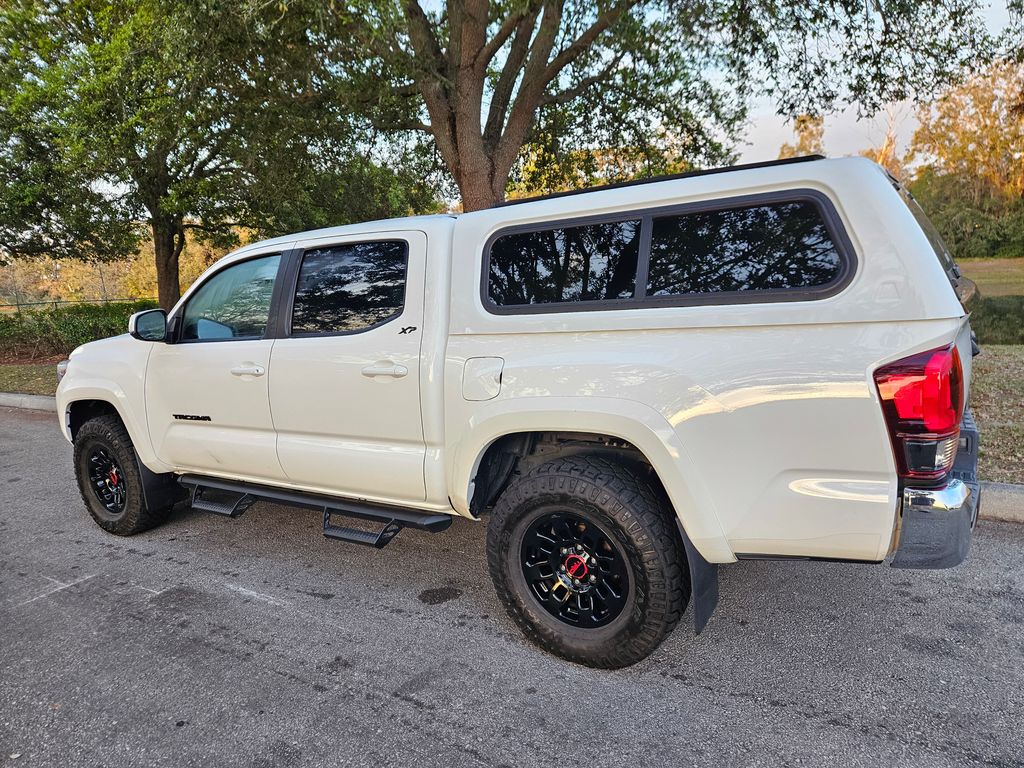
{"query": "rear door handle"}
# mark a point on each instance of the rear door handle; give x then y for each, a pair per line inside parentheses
(385, 368)
(248, 370)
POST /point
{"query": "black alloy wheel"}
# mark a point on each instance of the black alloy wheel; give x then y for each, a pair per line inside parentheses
(574, 569)
(586, 557)
(107, 480)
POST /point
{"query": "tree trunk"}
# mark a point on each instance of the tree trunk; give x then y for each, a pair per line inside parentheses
(480, 184)
(452, 82)
(168, 241)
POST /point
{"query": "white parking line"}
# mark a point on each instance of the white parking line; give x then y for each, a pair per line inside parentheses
(60, 587)
(256, 595)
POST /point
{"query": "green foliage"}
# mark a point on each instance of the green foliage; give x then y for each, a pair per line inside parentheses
(971, 182)
(57, 331)
(177, 116)
(998, 319)
(809, 132)
(49, 202)
(973, 228)
(328, 197)
(633, 105)
(562, 92)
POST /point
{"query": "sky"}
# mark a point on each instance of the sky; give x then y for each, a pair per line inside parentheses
(845, 134)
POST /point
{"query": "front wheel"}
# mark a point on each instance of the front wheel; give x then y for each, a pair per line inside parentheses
(586, 558)
(109, 479)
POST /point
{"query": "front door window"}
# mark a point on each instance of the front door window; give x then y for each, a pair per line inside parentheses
(233, 304)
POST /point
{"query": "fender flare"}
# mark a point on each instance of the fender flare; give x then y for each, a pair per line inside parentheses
(628, 420)
(160, 487)
(111, 393)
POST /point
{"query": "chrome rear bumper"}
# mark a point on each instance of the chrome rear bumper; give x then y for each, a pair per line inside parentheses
(936, 528)
(936, 523)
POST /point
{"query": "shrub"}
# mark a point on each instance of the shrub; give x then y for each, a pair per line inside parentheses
(56, 331)
(998, 319)
(51, 332)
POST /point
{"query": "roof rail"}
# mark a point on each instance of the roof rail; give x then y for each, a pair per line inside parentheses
(668, 177)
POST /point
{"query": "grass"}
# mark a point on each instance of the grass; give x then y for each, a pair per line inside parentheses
(29, 378)
(997, 400)
(998, 320)
(995, 277)
(997, 312)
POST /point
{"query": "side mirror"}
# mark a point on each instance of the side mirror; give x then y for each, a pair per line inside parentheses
(150, 325)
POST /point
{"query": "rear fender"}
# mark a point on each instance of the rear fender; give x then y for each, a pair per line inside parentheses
(634, 422)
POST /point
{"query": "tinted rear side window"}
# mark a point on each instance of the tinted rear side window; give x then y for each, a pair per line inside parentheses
(349, 287)
(755, 248)
(593, 262)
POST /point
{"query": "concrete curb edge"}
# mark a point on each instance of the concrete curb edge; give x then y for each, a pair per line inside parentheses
(29, 402)
(1002, 501)
(999, 501)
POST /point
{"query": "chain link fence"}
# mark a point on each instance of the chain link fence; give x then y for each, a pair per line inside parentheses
(32, 285)
(55, 303)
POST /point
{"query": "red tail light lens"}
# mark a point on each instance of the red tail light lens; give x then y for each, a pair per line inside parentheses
(922, 398)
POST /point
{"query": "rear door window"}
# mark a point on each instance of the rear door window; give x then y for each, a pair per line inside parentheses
(349, 288)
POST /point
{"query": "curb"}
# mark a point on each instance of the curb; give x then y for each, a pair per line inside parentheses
(30, 402)
(1003, 502)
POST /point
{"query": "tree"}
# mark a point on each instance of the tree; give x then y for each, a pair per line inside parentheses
(174, 116)
(970, 146)
(480, 78)
(543, 167)
(974, 131)
(887, 153)
(810, 137)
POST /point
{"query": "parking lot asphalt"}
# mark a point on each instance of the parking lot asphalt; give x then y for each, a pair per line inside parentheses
(257, 642)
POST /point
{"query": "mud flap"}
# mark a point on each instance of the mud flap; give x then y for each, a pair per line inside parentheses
(159, 490)
(703, 583)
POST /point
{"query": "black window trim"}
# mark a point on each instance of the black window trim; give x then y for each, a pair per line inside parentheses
(640, 300)
(291, 281)
(176, 322)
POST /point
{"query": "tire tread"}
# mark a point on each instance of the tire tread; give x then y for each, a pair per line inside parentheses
(641, 511)
(138, 516)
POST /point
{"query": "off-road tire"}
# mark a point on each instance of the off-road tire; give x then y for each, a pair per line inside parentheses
(635, 513)
(109, 433)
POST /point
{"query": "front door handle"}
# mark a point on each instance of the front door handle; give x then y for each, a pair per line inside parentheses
(248, 370)
(385, 368)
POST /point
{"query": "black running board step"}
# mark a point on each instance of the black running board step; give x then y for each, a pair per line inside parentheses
(365, 510)
(232, 506)
(377, 539)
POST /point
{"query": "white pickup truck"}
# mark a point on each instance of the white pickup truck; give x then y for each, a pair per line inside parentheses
(632, 384)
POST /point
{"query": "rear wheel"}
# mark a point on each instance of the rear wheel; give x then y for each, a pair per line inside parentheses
(109, 479)
(586, 557)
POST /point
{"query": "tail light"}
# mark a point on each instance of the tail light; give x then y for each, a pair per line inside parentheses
(923, 401)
